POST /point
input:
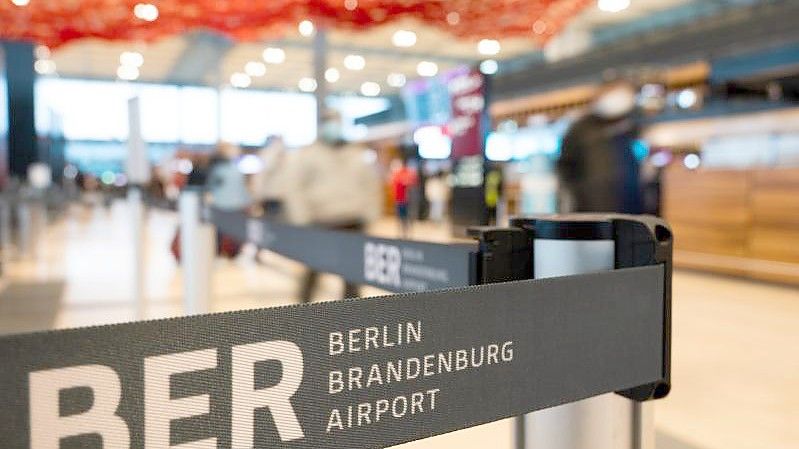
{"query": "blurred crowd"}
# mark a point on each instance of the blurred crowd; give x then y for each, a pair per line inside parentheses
(339, 184)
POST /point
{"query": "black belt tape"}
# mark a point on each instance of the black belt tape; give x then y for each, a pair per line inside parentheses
(394, 265)
(262, 378)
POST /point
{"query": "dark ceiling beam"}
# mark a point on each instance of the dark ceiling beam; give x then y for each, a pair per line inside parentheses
(200, 60)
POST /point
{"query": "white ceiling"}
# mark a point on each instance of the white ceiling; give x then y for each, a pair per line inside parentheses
(100, 59)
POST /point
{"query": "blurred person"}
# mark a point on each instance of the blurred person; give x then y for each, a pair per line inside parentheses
(200, 169)
(269, 184)
(437, 193)
(227, 187)
(226, 184)
(493, 192)
(597, 169)
(651, 178)
(156, 189)
(333, 184)
(403, 179)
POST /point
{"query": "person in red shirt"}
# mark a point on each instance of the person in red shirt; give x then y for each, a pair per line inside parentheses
(403, 179)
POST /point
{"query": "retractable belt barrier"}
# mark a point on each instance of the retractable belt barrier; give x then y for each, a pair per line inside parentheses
(394, 265)
(365, 373)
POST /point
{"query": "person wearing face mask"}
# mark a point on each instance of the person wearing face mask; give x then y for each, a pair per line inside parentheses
(332, 183)
(597, 169)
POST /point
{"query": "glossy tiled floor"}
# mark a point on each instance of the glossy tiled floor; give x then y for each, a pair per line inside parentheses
(736, 343)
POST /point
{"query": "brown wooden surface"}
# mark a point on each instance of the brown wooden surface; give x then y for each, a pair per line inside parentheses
(743, 222)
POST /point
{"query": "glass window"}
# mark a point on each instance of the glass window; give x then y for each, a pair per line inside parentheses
(249, 117)
(160, 112)
(198, 121)
(98, 111)
(89, 110)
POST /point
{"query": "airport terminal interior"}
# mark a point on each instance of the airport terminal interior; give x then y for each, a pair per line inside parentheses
(125, 124)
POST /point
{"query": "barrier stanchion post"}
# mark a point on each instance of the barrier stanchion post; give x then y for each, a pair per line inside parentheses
(562, 247)
(24, 224)
(5, 229)
(643, 425)
(196, 253)
(601, 422)
(137, 218)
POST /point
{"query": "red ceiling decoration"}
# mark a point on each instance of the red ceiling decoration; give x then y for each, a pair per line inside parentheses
(56, 22)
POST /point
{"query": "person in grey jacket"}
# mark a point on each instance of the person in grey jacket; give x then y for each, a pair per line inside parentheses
(226, 183)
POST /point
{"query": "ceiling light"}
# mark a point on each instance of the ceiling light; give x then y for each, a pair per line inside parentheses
(350, 5)
(307, 84)
(42, 52)
(427, 68)
(131, 58)
(21, 2)
(332, 75)
(396, 79)
(128, 72)
(404, 38)
(370, 89)
(488, 47)
(433, 142)
(453, 18)
(255, 68)
(489, 67)
(692, 161)
(274, 55)
(687, 98)
(44, 66)
(146, 11)
(613, 5)
(354, 62)
(306, 28)
(240, 80)
(539, 27)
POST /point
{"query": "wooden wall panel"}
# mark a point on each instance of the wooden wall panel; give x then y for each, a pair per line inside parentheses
(775, 197)
(720, 196)
(742, 222)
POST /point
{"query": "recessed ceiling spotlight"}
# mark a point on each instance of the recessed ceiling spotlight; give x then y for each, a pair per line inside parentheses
(692, 161)
(539, 27)
(427, 68)
(307, 84)
(396, 79)
(131, 58)
(489, 67)
(146, 11)
(128, 72)
(274, 55)
(453, 18)
(44, 66)
(370, 89)
(613, 5)
(21, 2)
(42, 52)
(332, 75)
(306, 28)
(403, 38)
(687, 98)
(255, 68)
(240, 80)
(354, 62)
(350, 5)
(488, 47)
